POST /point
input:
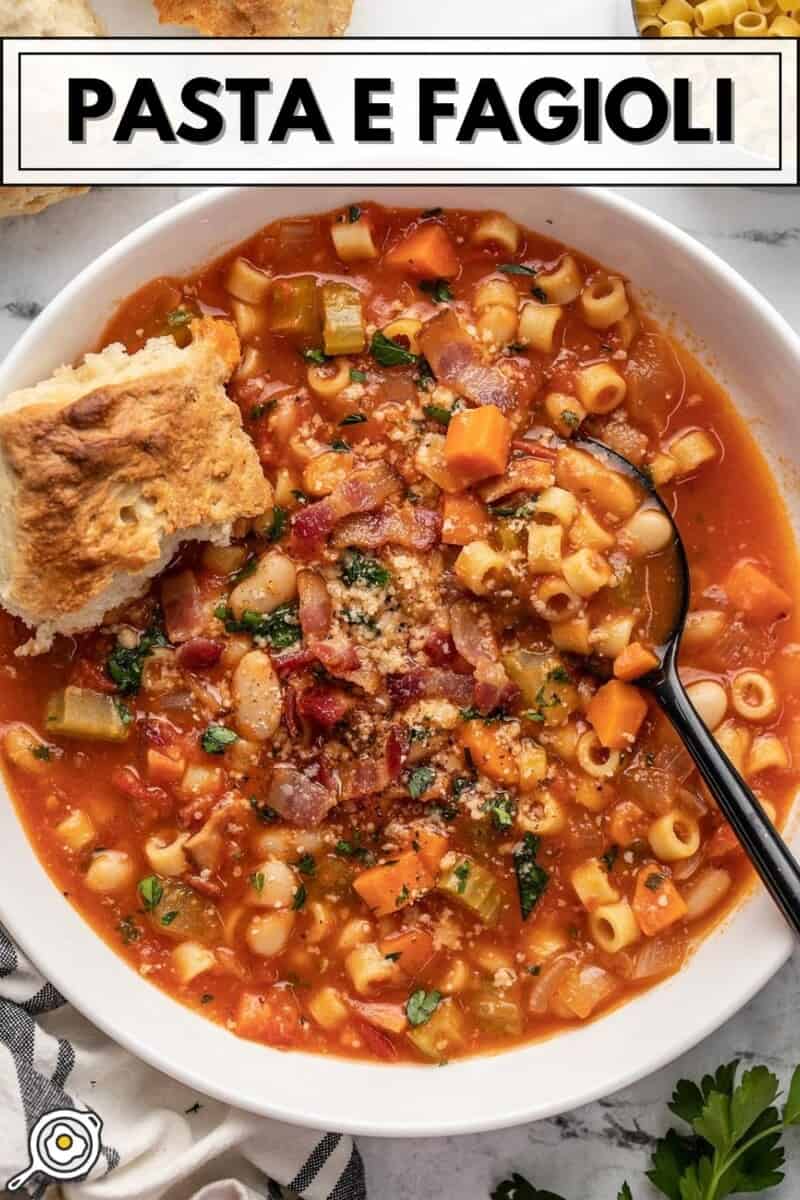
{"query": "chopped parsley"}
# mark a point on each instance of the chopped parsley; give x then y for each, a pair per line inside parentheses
(654, 881)
(570, 418)
(421, 1006)
(420, 780)
(179, 317)
(539, 294)
(316, 356)
(42, 751)
(124, 667)
(392, 957)
(257, 881)
(424, 379)
(353, 214)
(277, 526)
(516, 269)
(353, 418)
(347, 849)
(340, 446)
(438, 289)
(306, 865)
(389, 353)
(609, 858)
(502, 809)
(128, 930)
(215, 738)
(402, 896)
(461, 783)
(462, 875)
(432, 212)
(474, 714)
(206, 998)
(357, 376)
(281, 627)
(151, 891)
(516, 512)
(299, 898)
(353, 617)
(265, 814)
(437, 413)
(169, 917)
(358, 568)
(532, 879)
(260, 410)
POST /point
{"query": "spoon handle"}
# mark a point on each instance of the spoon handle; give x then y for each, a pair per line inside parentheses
(765, 847)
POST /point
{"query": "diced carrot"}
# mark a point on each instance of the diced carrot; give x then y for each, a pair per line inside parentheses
(616, 713)
(490, 752)
(627, 823)
(753, 593)
(633, 661)
(657, 903)
(413, 946)
(431, 847)
(389, 1017)
(272, 1016)
(390, 886)
(165, 766)
(426, 251)
(477, 443)
(722, 842)
(464, 519)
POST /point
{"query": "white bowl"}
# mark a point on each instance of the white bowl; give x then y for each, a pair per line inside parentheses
(758, 358)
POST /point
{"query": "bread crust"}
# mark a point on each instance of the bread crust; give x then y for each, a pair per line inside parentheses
(108, 466)
(25, 201)
(48, 18)
(259, 18)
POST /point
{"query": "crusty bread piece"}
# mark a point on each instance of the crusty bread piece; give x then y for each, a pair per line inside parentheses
(24, 201)
(258, 18)
(106, 467)
(48, 18)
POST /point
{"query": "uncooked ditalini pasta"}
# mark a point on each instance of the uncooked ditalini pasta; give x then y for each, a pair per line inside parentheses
(718, 18)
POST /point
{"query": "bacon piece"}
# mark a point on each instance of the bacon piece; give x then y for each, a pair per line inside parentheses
(150, 803)
(537, 449)
(184, 617)
(364, 490)
(206, 887)
(299, 799)
(91, 675)
(396, 750)
(157, 733)
(316, 610)
(430, 683)
(440, 648)
(290, 715)
(293, 661)
(389, 1017)
(324, 705)
(375, 1040)
(408, 526)
(199, 654)
(455, 359)
(493, 688)
(337, 656)
(531, 474)
(366, 777)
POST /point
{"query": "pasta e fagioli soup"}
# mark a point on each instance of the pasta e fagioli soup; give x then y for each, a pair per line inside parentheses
(351, 782)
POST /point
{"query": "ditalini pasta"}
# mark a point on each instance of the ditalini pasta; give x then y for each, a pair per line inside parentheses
(718, 18)
(348, 783)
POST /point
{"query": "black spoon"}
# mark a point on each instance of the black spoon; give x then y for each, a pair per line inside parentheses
(769, 854)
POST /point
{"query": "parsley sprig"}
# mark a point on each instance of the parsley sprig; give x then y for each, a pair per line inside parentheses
(734, 1147)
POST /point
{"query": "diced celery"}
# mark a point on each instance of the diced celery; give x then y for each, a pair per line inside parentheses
(442, 1034)
(293, 308)
(81, 713)
(547, 688)
(343, 329)
(180, 913)
(473, 886)
(495, 1011)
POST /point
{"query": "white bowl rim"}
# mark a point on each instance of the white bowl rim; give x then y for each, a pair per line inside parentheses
(321, 1110)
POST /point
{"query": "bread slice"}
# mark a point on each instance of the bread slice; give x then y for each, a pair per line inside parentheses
(258, 18)
(48, 18)
(106, 467)
(25, 201)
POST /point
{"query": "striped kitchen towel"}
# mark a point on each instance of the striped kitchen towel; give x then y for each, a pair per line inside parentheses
(158, 1139)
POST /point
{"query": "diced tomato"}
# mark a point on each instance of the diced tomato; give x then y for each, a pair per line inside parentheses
(375, 1040)
(271, 1016)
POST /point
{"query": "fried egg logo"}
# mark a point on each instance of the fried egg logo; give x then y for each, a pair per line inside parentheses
(63, 1144)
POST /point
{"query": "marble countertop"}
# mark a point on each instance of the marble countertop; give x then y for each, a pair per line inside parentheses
(584, 1155)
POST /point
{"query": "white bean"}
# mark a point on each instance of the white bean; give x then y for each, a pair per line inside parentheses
(710, 701)
(274, 885)
(268, 933)
(109, 871)
(647, 532)
(273, 582)
(257, 697)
